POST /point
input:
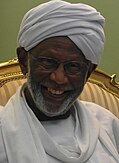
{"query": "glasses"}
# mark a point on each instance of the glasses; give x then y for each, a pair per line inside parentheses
(70, 67)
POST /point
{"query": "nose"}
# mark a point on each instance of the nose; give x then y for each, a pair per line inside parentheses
(59, 75)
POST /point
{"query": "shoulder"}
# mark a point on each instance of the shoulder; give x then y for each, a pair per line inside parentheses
(11, 106)
(107, 120)
(1, 111)
(1, 108)
(98, 111)
(3, 155)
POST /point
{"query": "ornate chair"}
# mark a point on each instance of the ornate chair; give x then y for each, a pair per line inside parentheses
(101, 88)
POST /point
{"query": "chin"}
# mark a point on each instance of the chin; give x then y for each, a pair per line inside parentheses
(48, 105)
(51, 109)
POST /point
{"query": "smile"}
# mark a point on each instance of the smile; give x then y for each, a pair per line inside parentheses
(54, 94)
(55, 91)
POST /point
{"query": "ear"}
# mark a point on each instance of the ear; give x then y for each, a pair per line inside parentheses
(91, 69)
(23, 59)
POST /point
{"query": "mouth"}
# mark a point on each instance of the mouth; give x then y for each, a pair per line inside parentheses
(55, 91)
(55, 94)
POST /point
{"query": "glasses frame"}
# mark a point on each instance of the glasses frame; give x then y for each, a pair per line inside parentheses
(85, 65)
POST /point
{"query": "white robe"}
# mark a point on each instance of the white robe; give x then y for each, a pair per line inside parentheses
(89, 135)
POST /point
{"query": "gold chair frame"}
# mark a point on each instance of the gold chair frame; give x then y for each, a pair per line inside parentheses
(10, 70)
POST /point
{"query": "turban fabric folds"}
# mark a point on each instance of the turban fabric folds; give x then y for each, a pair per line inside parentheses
(80, 22)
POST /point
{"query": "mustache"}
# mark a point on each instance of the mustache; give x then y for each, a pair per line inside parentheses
(53, 84)
(46, 82)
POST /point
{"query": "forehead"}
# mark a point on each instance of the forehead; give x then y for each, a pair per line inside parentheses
(58, 47)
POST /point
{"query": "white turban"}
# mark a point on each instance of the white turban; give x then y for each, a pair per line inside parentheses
(80, 22)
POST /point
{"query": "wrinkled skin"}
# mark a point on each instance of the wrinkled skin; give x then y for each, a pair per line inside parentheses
(53, 93)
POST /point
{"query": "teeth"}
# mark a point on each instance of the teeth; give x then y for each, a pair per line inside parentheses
(57, 92)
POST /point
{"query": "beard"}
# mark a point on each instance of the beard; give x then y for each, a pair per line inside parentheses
(50, 109)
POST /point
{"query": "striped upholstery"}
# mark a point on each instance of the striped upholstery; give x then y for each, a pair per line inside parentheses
(92, 92)
(8, 89)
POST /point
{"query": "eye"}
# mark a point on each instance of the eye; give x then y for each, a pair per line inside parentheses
(73, 67)
(47, 63)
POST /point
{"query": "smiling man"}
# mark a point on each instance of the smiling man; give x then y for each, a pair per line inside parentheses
(54, 65)
(60, 45)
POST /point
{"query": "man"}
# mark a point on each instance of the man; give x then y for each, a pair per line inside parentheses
(60, 44)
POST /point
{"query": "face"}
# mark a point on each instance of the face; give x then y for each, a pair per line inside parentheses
(57, 74)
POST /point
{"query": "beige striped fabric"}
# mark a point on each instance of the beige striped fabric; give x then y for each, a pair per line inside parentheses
(8, 89)
(96, 94)
(91, 92)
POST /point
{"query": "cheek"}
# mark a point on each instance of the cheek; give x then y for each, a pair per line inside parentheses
(78, 82)
(38, 74)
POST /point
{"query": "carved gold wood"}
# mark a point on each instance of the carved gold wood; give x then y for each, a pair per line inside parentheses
(11, 71)
(106, 81)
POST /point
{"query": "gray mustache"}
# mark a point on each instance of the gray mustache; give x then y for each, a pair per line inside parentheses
(55, 85)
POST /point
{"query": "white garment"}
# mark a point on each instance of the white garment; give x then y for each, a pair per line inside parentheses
(89, 135)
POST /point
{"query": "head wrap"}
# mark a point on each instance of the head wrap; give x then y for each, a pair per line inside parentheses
(80, 22)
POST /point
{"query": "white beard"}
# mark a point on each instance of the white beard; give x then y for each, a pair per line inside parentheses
(35, 90)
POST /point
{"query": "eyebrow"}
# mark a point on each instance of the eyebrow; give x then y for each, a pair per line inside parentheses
(49, 51)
